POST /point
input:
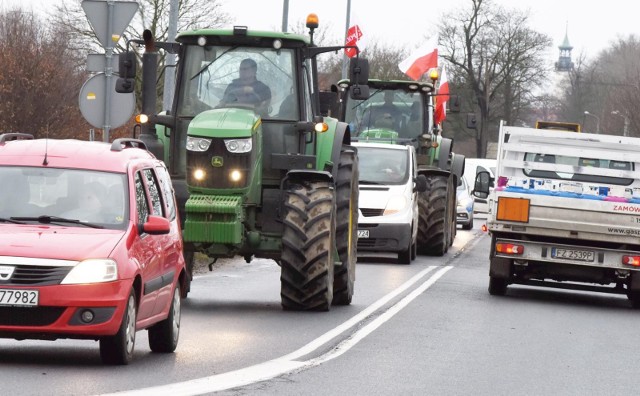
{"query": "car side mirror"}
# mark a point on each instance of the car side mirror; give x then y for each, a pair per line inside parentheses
(420, 183)
(156, 225)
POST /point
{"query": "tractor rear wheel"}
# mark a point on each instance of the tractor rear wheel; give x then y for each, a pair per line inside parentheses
(434, 225)
(346, 226)
(306, 277)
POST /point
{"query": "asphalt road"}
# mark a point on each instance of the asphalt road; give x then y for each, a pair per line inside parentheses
(426, 328)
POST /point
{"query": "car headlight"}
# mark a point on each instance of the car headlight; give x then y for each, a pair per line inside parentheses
(198, 144)
(465, 203)
(92, 271)
(395, 204)
(238, 145)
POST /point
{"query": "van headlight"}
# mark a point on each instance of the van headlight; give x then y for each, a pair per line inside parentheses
(395, 204)
(92, 271)
(238, 146)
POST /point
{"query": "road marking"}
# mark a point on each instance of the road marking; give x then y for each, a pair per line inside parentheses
(288, 363)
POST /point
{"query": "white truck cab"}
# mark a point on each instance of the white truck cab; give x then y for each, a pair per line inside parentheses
(388, 218)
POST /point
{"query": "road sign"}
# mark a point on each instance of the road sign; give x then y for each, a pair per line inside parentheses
(120, 16)
(98, 63)
(92, 103)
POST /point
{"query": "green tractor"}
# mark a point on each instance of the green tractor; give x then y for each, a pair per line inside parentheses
(259, 172)
(401, 112)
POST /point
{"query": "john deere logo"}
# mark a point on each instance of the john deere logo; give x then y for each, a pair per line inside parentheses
(217, 162)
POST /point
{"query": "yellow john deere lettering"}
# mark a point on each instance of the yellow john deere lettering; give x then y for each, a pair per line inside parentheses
(513, 209)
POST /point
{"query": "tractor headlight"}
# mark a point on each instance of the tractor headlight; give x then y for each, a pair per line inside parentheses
(199, 174)
(198, 144)
(238, 145)
(92, 271)
(235, 175)
(395, 204)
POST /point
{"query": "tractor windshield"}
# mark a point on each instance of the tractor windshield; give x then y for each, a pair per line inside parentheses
(390, 109)
(221, 76)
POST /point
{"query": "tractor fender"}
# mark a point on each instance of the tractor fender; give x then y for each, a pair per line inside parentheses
(433, 171)
(457, 165)
(342, 137)
(300, 175)
(444, 152)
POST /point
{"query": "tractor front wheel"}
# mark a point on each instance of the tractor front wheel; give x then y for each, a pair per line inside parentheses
(434, 207)
(306, 277)
(346, 226)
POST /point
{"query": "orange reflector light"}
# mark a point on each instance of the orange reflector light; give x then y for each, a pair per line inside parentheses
(631, 260)
(509, 248)
(513, 209)
(484, 228)
(142, 118)
(321, 127)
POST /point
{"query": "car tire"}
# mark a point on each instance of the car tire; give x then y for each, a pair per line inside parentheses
(163, 336)
(469, 225)
(118, 349)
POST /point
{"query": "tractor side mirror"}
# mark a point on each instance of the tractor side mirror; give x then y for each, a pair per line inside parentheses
(127, 69)
(454, 103)
(472, 122)
(359, 71)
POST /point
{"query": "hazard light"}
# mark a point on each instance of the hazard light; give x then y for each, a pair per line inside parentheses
(509, 248)
(631, 260)
(312, 21)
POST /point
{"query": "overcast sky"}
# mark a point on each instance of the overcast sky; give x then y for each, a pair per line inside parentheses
(591, 25)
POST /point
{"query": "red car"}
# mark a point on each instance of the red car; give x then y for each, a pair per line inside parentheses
(91, 244)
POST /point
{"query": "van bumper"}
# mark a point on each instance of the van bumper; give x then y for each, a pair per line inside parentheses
(384, 237)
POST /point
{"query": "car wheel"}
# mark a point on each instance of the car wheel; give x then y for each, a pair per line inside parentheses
(163, 336)
(118, 349)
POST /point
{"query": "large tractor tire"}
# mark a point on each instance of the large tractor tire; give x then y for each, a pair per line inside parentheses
(434, 209)
(452, 193)
(307, 247)
(347, 194)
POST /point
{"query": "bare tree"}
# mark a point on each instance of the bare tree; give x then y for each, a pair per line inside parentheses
(498, 55)
(39, 80)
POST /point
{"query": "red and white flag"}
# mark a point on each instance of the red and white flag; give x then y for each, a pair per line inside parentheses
(421, 60)
(354, 37)
(442, 98)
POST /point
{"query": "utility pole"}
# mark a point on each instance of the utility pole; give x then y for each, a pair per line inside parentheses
(285, 15)
(345, 58)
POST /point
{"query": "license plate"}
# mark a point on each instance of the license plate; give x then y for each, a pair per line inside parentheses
(15, 297)
(573, 254)
(363, 233)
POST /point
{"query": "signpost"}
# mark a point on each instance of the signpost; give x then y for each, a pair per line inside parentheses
(100, 105)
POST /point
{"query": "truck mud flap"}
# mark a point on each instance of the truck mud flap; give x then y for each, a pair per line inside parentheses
(500, 267)
(634, 283)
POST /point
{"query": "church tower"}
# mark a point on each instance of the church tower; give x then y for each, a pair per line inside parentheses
(564, 60)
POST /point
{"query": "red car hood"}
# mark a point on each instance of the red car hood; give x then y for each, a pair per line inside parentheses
(63, 243)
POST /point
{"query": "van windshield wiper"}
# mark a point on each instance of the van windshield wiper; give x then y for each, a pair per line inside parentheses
(11, 220)
(54, 219)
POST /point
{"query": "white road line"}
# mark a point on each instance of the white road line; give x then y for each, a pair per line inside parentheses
(287, 364)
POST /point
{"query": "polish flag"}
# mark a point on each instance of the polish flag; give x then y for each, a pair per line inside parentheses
(442, 98)
(421, 60)
(354, 37)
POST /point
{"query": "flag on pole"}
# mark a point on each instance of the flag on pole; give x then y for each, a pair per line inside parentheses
(421, 60)
(442, 98)
(354, 37)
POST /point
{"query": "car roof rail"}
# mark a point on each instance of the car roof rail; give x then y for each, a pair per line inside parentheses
(122, 143)
(6, 137)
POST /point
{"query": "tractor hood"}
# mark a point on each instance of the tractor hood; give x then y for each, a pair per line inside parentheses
(225, 122)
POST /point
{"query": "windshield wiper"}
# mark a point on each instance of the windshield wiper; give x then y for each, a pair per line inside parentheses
(11, 220)
(370, 182)
(51, 219)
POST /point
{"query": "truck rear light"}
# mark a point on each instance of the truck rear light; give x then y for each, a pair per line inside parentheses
(513, 209)
(509, 248)
(631, 260)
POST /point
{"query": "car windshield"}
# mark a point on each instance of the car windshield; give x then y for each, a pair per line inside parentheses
(59, 196)
(383, 166)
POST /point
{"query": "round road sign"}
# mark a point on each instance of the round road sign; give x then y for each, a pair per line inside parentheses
(93, 99)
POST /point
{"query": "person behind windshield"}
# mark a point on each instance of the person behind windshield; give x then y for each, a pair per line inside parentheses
(89, 205)
(388, 111)
(247, 89)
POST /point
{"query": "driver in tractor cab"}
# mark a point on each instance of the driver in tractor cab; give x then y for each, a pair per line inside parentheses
(247, 89)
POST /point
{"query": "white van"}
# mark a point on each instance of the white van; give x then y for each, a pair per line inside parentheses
(388, 204)
(471, 168)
